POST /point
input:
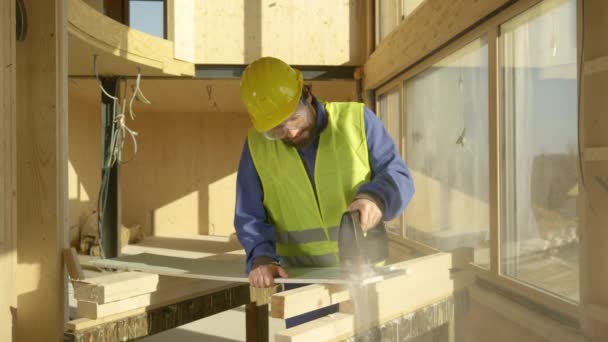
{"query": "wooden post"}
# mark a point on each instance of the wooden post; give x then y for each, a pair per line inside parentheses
(593, 189)
(8, 180)
(256, 313)
(256, 319)
(42, 161)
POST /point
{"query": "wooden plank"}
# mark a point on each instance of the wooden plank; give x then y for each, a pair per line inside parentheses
(41, 130)
(92, 310)
(434, 23)
(261, 296)
(70, 258)
(308, 298)
(8, 169)
(116, 286)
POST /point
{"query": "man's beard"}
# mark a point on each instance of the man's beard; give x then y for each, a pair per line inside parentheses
(304, 139)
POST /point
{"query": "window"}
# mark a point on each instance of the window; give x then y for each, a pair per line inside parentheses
(489, 131)
(446, 140)
(539, 240)
(148, 16)
(389, 110)
(389, 13)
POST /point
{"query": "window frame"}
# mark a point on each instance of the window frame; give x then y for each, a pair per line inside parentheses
(400, 16)
(491, 29)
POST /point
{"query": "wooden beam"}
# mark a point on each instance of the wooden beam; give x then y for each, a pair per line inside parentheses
(256, 322)
(42, 161)
(116, 286)
(261, 296)
(8, 168)
(307, 298)
(434, 24)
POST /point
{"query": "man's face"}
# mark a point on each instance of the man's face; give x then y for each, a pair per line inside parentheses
(301, 133)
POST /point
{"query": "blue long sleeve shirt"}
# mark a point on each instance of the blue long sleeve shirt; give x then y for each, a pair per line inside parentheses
(391, 182)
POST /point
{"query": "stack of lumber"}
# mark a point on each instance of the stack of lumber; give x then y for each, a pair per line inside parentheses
(134, 304)
(397, 308)
(115, 293)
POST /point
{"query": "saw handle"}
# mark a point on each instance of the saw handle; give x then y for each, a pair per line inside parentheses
(352, 242)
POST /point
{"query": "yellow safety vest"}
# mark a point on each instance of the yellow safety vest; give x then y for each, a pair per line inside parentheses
(307, 225)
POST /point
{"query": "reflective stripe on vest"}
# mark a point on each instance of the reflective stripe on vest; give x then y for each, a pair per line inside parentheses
(306, 225)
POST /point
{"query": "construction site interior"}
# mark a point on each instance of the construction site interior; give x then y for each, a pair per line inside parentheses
(496, 106)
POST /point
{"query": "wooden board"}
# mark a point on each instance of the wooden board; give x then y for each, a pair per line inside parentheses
(8, 174)
(42, 159)
(225, 267)
(116, 286)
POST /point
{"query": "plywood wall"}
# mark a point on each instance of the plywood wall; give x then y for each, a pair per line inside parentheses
(41, 64)
(183, 180)
(84, 165)
(594, 182)
(315, 32)
(8, 174)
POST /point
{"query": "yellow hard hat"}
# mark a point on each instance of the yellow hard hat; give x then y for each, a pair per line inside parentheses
(271, 90)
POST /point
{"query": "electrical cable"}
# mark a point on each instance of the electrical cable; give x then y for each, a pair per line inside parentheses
(118, 131)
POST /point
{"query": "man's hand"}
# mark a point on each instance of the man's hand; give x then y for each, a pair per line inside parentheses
(263, 275)
(369, 213)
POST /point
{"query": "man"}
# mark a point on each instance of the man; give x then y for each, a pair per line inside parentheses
(303, 165)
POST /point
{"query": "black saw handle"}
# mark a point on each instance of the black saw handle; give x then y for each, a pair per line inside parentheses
(371, 247)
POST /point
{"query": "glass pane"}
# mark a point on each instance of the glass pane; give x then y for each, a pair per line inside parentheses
(389, 111)
(446, 141)
(538, 69)
(148, 16)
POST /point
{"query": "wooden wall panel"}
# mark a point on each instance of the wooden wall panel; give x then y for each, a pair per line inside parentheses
(592, 130)
(434, 24)
(8, 180)
(183, 179)
(42, 173)
(84, 165)
(313, 32)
